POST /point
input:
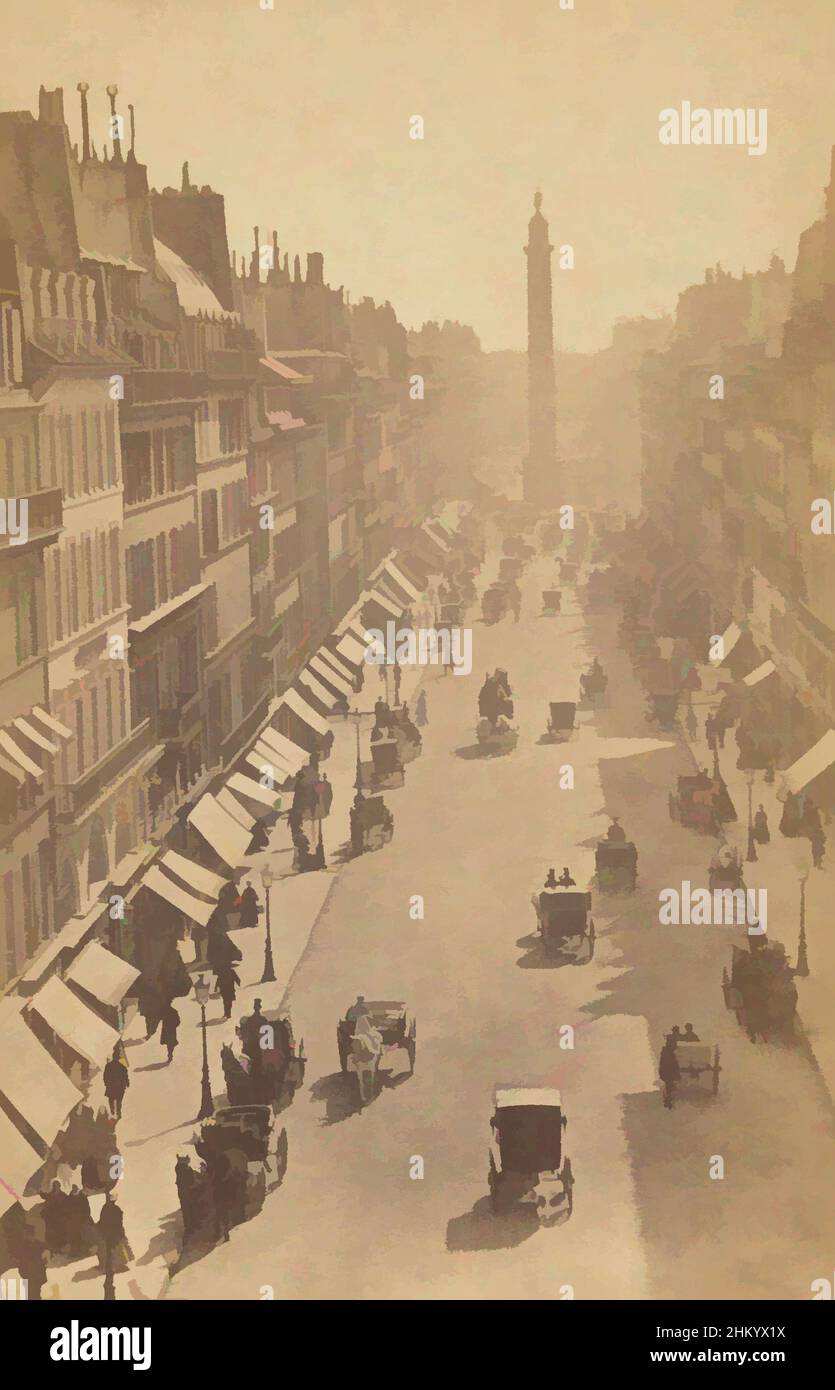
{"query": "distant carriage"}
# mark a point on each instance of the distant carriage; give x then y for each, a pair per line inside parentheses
(701, 803)
(616, 862)
(494, 603)
(697, 1060)
(760, 990)
(551, 602)
(372, 824)
(561, 719)
(398, 1029)
(663, 707)
(564, 922)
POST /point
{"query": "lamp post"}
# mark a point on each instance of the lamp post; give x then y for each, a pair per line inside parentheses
(802, 967)
(751, 855)
(357, 716)
(207, 1106)
(268, 977)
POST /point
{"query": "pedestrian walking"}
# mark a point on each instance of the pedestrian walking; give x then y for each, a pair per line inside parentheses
(690, 722)
(250, 907)
(669, 1071)
(710, 733)
(116, 1082)
(761, 834)
(226, 981)
(168, 1032)
(115, 1253)
(421, 717)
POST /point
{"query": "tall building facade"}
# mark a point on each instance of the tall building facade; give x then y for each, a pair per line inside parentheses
(540, 469)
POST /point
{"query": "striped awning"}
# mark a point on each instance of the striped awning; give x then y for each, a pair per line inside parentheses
(73, 1022)
(293, 700)
(327, 673)
(177, 896)
(227, 837)
(247, 786)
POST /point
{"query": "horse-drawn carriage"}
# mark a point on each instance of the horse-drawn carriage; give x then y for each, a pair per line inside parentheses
(494, 603)
(569, 570)
(702, 803)
(726, 870)
(527, 1167)
(697, 1059)
(564, 922)
(495, 707)
(561, 716)
(510, 568)
(761, 990)
(372, 824)
(450, 615)
(593, 684)
(616, 862)
(663, 707)
(386, 770)
(407, 734)
(551, 602)
(278, 1069)
(379, 1041)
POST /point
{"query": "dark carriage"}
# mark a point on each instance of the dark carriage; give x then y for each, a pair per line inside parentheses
(527, 1167)
(564, 922)
(726, 872)
(569, 569)
(386, 767)
(760, 990)
(372, 824)
(551, 602)
(494, 603)
(616, 862)
(561, 719)
(701, 803)
(279, 1072)
(593, 685)
(510, 568)
(450, 615)
(662, 707)
(407, 734)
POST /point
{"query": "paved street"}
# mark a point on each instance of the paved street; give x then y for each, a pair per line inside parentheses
(474, 837)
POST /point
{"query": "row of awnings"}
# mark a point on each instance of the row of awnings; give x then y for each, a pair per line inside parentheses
(21, 740)
(32, 1082)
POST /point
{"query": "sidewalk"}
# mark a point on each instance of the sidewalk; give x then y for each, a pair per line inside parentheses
(153, 1130)
(779, 868)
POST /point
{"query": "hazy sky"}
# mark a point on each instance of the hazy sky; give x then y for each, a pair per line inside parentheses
(300, 116)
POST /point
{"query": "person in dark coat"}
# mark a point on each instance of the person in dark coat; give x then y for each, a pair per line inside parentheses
(31, 1264)
(224, 1181)
(761, 834)
(168, 1032)
(227, 980)
(79, 1223)
(249, 907)
(421, 717)
(669, 1071)
(112, 1238)
(55, 1219)
(116, 1082)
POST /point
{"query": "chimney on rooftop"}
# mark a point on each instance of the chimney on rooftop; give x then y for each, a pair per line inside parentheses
(297, 270)
(184, 183)
(51, 106)
(113, 92)
(131, 154)
(315, 268)
(83, 88)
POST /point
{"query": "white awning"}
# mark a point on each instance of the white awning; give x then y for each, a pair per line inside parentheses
(351, 649)
(100, 973)
(269, 763)
(32, 1081)
(812, 764)
(23, 760)
(341, 667)
(172, 893)
(399, 578)
(19, 1161)
(247, 786)
(441, 544)
(327, 673)
(35, 736)
(291, 753)
(526, 1095)
(359, 630)
(74, 1022)
(13, 771)
(51, 722)
(233, 806)
(730, 637)
(225, 835)
(318, 690)
(759, 674)
(203, 880)
(395, 609)
(294, 701)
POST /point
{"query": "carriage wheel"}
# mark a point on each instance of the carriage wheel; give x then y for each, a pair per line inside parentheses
(493, 1184)
(716, 1070)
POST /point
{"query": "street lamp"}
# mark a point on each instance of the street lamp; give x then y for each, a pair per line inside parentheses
(751, 855)
(201, 994)
(268, 976)
(357, 716)
(802, 967)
